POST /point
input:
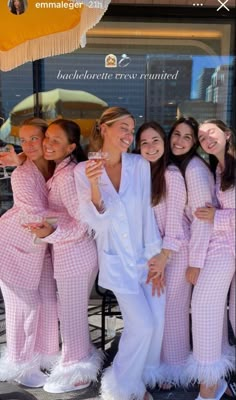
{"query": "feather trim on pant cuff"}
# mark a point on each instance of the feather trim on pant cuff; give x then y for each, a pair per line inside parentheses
(209, 373)
(113, 390)
(10, 370)
(173, 374)
(152, 376)
(81, 371)
(48, 361)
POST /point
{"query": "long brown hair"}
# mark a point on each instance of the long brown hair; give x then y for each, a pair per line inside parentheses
(228, 175)
(108, 117)
(157, 168)
(182, 161)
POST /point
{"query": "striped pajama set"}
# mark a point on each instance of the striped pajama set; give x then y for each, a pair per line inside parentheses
(209, 251)
(75, 269)
(174, 230)
(127, 236)
(26, 279)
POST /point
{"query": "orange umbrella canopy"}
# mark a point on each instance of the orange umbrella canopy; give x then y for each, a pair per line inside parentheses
(80, 106)
(45, 28)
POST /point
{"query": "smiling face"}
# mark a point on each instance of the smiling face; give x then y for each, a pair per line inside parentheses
(118, 136)
(151, 145)
(212, 139)
(17, 4)
(182, 139)
(31, 139)
(56, 145)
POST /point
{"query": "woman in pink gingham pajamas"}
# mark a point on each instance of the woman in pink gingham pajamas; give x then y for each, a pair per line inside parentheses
(169, 200)
(74, 260)
(217, 140)
(208, 362)
(26, 274)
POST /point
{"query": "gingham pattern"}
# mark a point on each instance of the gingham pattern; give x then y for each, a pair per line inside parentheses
(224, 226)
(47, 339)
(74, 252)
(31, 317)
(201, 190)
(175, 233)
(169, 213)
(21, 260)
(176, 340)
(209, 363)
(208, 307)
(75, 269)
(73, 304)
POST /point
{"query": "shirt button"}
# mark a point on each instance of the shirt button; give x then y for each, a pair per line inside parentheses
(125, 235)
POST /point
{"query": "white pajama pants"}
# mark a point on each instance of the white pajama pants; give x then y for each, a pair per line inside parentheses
(208, 362)
(80, 361)
(137, 361)
(176, 339)
(31, 326)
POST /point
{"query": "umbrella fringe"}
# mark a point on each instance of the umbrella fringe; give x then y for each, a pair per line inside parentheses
(54, 44)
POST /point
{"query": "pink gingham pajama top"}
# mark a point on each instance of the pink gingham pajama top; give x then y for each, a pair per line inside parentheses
(22, 260)
(75, 269)
(27, 283)
(224, 225)
(208, 252)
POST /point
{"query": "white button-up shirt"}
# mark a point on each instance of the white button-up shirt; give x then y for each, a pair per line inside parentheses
(126, 232)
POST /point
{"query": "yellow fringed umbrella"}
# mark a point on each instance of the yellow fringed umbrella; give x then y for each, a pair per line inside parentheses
(46, 28)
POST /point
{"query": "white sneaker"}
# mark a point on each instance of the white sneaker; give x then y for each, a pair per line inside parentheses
(34, 379)
(52, 387)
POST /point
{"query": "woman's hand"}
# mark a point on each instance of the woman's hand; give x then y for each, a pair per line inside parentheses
(93, 171)
(157, 264)
(42, 229)
(192, 275)
(11, 158)
(158, 284)
(206, 213)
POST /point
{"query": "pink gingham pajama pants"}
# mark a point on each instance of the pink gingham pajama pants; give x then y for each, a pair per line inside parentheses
(73, 296)
(176, 338)
(209, 363)
(31, 318)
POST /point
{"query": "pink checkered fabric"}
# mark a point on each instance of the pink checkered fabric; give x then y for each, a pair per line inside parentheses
(201, 190)
(74, 251)
(175, 234)
(224, 226)
(47, 338)
(73, 294)
(22, 260)
(209, 298)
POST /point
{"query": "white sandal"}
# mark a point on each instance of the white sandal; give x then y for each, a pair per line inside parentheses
(60, 388)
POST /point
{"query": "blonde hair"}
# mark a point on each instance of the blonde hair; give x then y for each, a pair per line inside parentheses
(108, 117)
(36, 122)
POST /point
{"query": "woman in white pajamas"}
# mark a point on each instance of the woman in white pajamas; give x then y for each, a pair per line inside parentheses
(169, 200)
(116, 204)
(205, 272)
(217, 140)
(74, 260)
(26, 273)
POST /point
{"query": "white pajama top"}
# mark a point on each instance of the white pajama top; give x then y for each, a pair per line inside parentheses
(126, 232)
